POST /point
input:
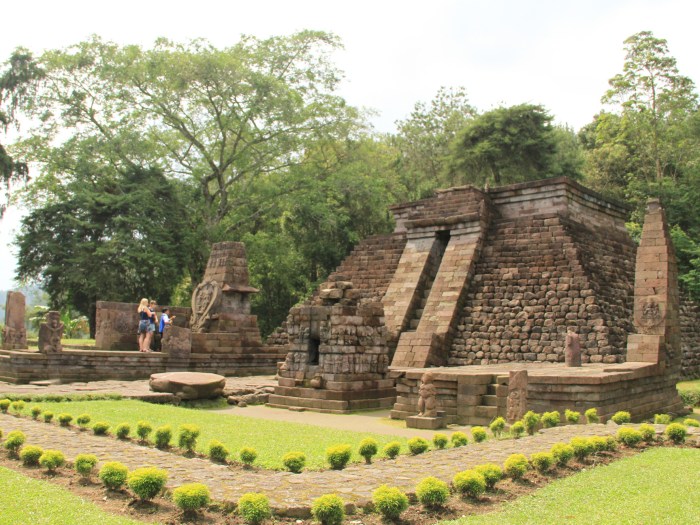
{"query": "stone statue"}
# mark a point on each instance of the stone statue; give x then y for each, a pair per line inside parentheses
(51, 333)
(427, 403)
(572, 353)
(516, 403)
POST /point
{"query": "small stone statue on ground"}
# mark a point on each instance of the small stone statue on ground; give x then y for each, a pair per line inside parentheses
(572, 354)
(427, 403)
(50, 334)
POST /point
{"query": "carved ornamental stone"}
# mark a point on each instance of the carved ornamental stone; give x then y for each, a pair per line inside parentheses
(572, 353)
(427, 403)
(51, 333)
(516, 404)
(205, 299)
(14, 335)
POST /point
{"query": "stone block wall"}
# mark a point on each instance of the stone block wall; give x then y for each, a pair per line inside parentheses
(689, 316)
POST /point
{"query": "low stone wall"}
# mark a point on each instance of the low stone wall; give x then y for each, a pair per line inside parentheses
(689, 316)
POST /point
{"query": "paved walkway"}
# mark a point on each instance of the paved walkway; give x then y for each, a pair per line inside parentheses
(292, 494)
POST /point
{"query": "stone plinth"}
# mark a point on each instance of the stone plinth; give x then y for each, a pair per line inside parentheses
(189, 385)
(425, 423)
(14, 334)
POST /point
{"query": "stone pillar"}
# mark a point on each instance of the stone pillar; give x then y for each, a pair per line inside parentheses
(177, 344)
(517, 395)
(572, 353)
(14, 335)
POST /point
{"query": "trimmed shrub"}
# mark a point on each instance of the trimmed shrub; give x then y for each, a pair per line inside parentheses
(690, 398)
(122, 430)
(247, 455)
(418, 445)
(17, 406)
(611, 444)
(52, 459)
(582, 447)
(187, 437)
(294, 461)
(691, 422)
(621, 417)
(328, 509)
(147, 482)
(492, 474)
(85, 464)
(542, 461)
(648, 433)
(390, 502)
(572, 416)
(113, 474)
(469, 483)
(100, 428)
(550, 419)
(676, 433)
(14, 441)
(562, 453)
(217, 451)
(143, 430)
(479, 434)
(4, 405)
(629, 436)
(431, 492)
(162, 436)
(191, 497)
(530, 421)
(35, 411)
(392, 449)
(368, 448)
(338, 456)
(48, 416)
(254, 507)
(515, 466)
(517, 429)
(459, 439)
(497, 426)
(83, 421)
(30, 455)
(592, 416)
(64, 419)
(440, 441)
(662, 419)
(599, 443)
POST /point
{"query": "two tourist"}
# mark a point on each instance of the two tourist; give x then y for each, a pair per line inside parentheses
(147, 324)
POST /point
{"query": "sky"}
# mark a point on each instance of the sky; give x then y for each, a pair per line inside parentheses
(558, 53)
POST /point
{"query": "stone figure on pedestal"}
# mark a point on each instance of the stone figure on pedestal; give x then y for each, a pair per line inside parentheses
(51, 333)
(572, 355)
(427, 403)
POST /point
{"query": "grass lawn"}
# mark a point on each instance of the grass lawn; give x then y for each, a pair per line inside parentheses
(27, 500)
(689, 386)
(271, 439)
(658, 486)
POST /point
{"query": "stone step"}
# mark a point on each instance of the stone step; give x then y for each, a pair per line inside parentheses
(488, 412)
(489, 400)
(491, 389)
(418, 313)
(413, 325)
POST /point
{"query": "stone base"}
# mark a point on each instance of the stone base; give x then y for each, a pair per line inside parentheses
(332, 401)
(425, 423)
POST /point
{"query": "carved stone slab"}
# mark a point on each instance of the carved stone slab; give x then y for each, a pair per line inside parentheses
(516, 405)
(189, 385)
(14, 335)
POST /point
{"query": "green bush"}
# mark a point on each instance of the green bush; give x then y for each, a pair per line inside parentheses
(328, 509)
(100, 428)
(497, 426)
(35, 411)
(479, 434)
(30, 455)
(52, 459)
(417, 445)
(14, 441)
(691, 422)
(217, 451)
(611, 443)
(431, 492)
(17, 406)
(294, 461)
(690, 398)
(390, 502)
(162, 436)
(187, 437)
(113, 474)
(440, 441)
(143, 430)
(85, 464)
(392, 449)
(469, 483)
(254, 508)
(83, 421)
(122, 430)
(648, 433)
(550, 419)
(4, 405)
(572, 416)
(191, 497)
(368, 448)
(517, 429)
(599, 443)
(515, 466)
(64, 419)
(542, 461)
(662, 419)
(592, 415)
(48, 416)
(629, 436)
(582, 447)
(562, 453)
(338, 456)
(248, 455)
(621, 417)
(492, 474)
(530, 421)
(676, 433)
(459, 439)
(147, 482)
